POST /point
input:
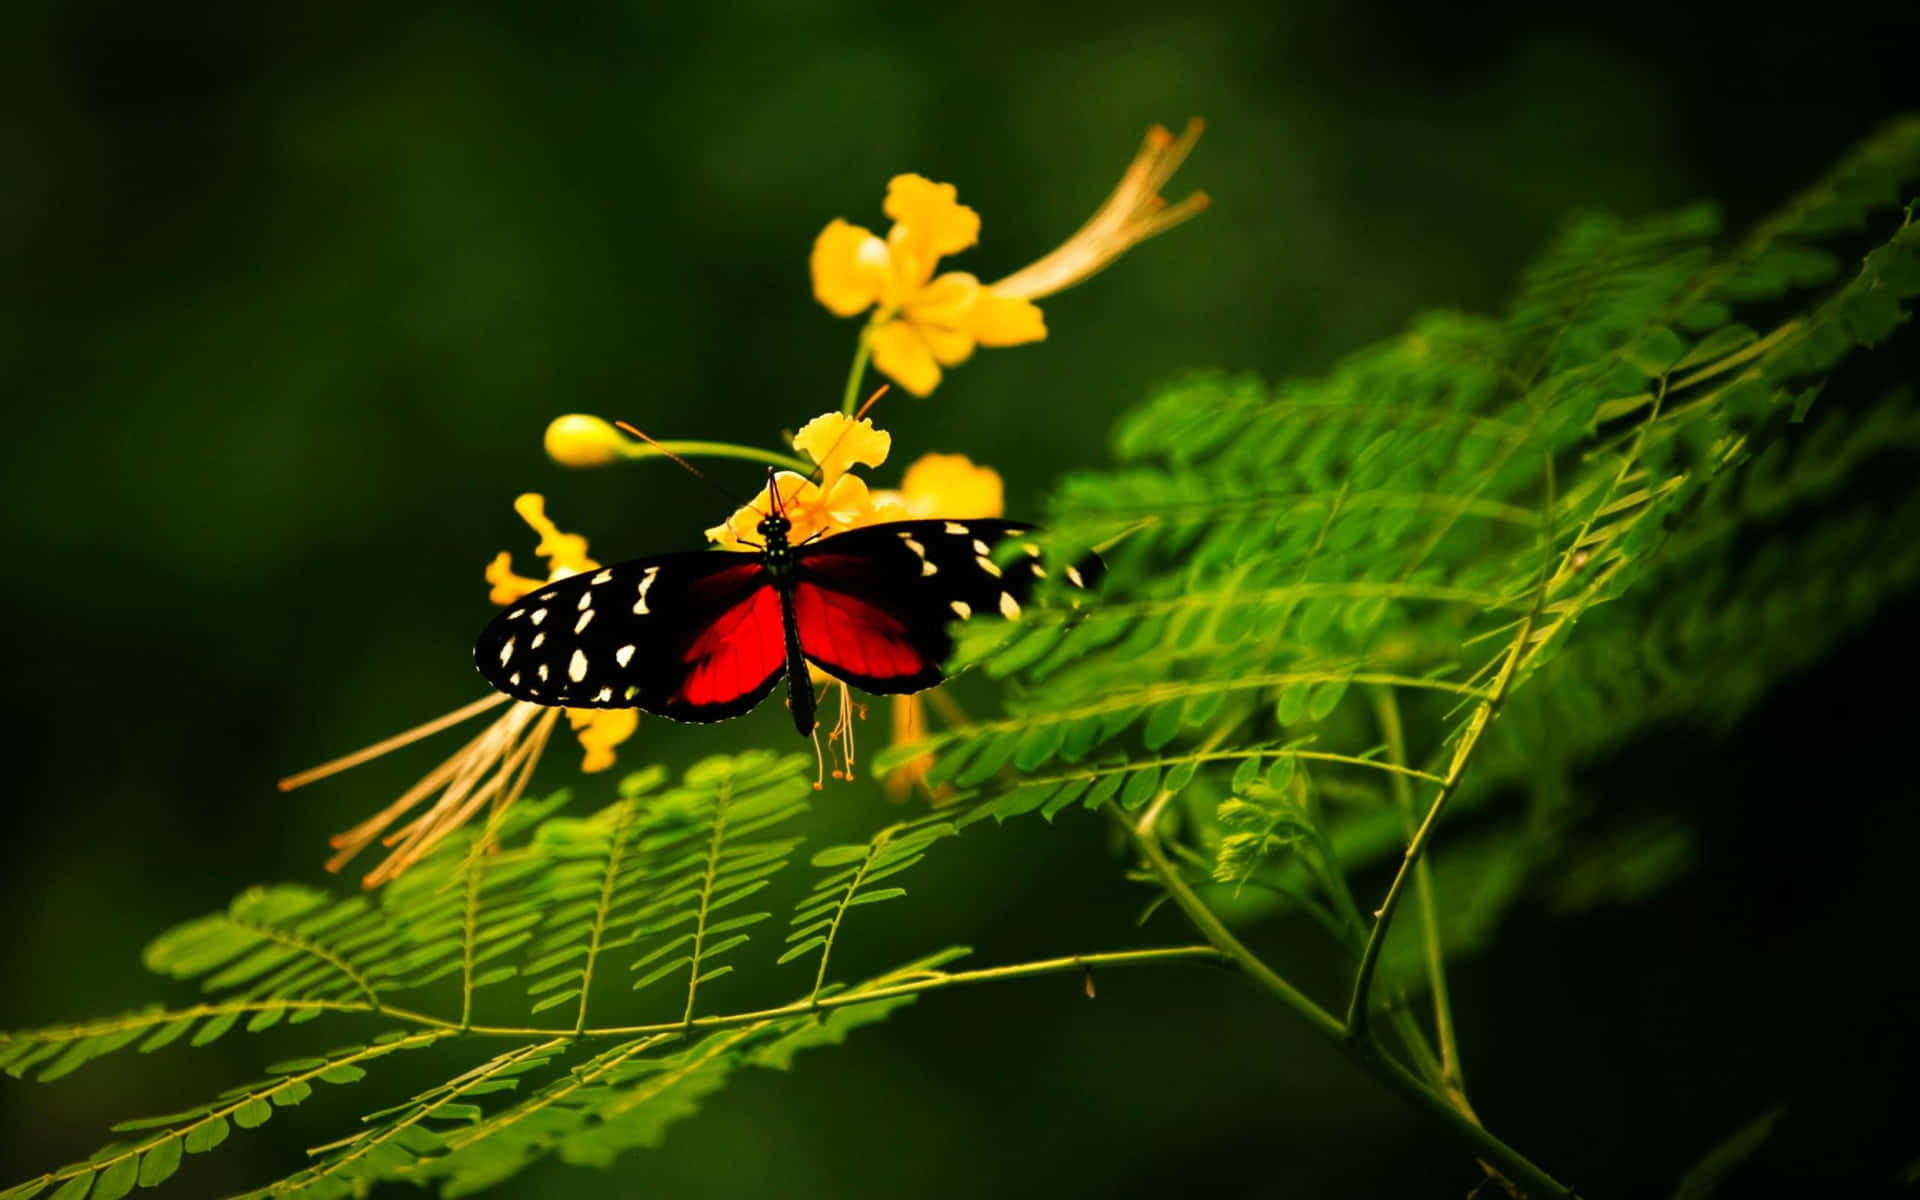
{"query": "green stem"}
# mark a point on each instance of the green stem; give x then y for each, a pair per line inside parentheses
(641, 450)
(1450, 1074)
(1477, 724)
(1216, 932)
(850, 396)
(1483, 716)
(1525, 1178)
(933, 983)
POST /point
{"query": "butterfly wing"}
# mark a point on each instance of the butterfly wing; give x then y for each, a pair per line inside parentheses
(873, 605)
(695, 637)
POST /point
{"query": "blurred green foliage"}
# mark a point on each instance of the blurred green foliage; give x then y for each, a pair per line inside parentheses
(292, 295)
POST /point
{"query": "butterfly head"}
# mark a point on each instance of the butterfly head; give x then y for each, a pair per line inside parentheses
(775, 527)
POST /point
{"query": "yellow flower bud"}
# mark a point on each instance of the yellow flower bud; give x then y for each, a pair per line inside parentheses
(580, 440)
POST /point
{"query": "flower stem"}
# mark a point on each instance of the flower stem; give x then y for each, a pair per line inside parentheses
(753, 454)
(851, 395)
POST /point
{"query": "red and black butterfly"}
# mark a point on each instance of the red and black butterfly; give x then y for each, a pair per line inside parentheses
(704, 635)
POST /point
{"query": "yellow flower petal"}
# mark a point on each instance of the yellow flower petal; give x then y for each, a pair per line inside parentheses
(945, 302)
(888, 504)
(998, 320)
(902, 355)
(929, 223)
(851, 268)
(566, 553)
(950, 347)
(838, 443)
(599, 731)
(845, 505)
(741, 531)
(951, 486)
(955, 310)
(507, 586)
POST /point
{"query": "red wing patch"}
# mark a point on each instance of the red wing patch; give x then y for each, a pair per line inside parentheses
(860, 641)
(737, 654)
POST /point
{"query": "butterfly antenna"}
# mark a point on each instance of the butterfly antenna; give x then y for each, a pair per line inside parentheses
(683, 463)
(872, 400)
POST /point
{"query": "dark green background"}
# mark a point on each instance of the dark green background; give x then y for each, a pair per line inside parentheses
(290, 298)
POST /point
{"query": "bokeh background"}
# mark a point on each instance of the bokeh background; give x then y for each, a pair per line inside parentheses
(291, 292)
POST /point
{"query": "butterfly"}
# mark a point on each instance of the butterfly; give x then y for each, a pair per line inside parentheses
(704, 635)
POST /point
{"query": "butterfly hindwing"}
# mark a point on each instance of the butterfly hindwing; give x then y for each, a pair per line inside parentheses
(873, 605)
(695, 636)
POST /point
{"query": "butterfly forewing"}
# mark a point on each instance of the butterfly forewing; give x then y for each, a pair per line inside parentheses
(695, 637)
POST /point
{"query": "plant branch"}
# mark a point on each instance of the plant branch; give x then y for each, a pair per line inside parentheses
(1483, 715)
(1524, 1178)
(1451, 1076)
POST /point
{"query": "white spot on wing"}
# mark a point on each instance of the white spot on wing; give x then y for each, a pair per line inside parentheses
(602, 577)
(633, 691)
(980, 546)
(926, 564)
(623, 655)
(586, 601)
(537, 639)
(956, 527)
(989, 566)
(605, 693)
(646, 581)
(1073, 577)
(1032, 550)
(1009, 607)
(581, 624)
(962, 609)
(506, 652)
(1039, 572)
(514, 679)
(543, 672)
(516, 614)
(577, 666)
(539, 615)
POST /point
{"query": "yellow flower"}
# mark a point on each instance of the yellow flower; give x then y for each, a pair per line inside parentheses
(1133, 213)
(947, 486)
(920, 322)
(495, 766)
(839, 501)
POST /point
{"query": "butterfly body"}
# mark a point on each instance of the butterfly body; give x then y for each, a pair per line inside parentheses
(704, 635)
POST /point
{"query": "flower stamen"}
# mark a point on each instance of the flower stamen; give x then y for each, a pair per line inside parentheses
(1132, 213)
(497, 763)
(388, 745)
(842, 734)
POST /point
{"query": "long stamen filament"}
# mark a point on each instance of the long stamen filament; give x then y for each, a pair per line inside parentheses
(393, 743)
